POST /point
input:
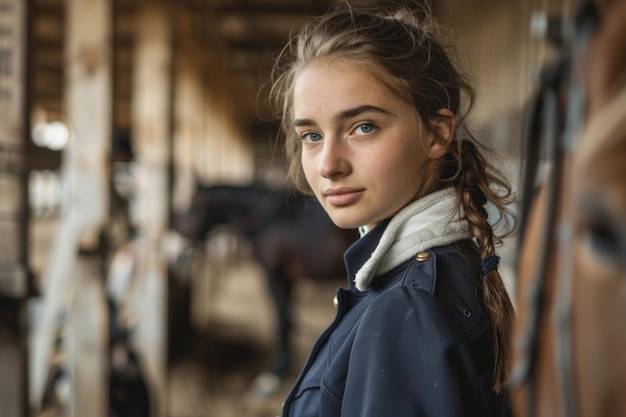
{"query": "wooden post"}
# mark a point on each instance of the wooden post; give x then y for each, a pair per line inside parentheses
(13, 212)
(151, 127)
(89, 106)
(85, 173)
(188, 114)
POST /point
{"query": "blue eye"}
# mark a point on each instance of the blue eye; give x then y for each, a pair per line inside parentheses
(364, 129)
(311, 137)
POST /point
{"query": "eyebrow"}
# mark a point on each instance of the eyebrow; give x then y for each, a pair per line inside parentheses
(346, 114)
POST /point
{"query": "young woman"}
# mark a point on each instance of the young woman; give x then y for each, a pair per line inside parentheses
(371, 106)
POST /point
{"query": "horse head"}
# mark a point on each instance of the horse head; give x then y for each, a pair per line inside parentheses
(194, 223)
(238, 206)
(598, 204)
(570, 334)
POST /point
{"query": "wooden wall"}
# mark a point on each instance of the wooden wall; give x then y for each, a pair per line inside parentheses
(499, 51)
(502, 56)
(14, 282)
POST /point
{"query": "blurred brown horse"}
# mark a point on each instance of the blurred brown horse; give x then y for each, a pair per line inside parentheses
(570, 335)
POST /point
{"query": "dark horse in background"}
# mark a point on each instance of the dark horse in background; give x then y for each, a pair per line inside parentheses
(291, 237)
(570, 333)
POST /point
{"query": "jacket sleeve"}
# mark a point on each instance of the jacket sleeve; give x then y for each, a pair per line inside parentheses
(410, 358)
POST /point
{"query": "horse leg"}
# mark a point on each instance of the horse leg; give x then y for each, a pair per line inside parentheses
(267, 383)
(280, 287)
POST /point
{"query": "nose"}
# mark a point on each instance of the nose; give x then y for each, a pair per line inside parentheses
(334, 161)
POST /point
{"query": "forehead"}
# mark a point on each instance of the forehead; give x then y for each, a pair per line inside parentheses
(335, 82)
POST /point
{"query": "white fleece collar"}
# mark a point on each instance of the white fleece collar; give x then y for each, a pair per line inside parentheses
(424, 224)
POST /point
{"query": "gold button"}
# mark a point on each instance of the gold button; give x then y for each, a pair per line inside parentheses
(335, 301)
(422, 256)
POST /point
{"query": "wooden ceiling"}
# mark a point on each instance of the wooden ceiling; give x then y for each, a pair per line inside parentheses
(248, 32)
(253, 32)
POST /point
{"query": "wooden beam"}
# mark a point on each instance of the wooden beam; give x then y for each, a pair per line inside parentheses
(48, 43)
(48, 59)
(151, 126)
(248, 8)
(188, 110)
(49, 7)
(86, 344)
(47, 82)
(269, 26)
(250, 60)
(48, 26)
(85, 209)
(89, 80)
(13, 226)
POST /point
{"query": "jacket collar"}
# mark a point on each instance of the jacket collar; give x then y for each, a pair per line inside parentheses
(434, 220)
(360, 251)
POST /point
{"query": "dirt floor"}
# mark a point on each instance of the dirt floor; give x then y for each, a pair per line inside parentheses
(213, 371)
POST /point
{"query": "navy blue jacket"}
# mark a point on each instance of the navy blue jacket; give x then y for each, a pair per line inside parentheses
(416, 343)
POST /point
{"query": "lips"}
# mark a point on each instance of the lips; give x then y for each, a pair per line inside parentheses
(343, 196)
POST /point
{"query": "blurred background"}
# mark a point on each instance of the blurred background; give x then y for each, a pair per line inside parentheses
(111, 112)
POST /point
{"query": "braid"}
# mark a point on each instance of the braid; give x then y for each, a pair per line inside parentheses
(466, 168)
(472, 194)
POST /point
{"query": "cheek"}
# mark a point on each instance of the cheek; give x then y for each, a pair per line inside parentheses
(405, 161)
(308, 165)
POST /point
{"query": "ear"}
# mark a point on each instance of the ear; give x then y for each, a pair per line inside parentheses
(445, 125)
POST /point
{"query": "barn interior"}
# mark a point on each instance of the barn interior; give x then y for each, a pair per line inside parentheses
(112, 112)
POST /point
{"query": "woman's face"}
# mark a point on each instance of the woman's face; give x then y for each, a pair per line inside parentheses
(363, 150)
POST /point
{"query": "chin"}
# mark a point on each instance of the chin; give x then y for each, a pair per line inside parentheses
(344, 223)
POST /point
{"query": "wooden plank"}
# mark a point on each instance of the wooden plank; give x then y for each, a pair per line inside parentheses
(85, 174)
(13, 268)
(89, 115)
(13, 383)
(188, 115)
(502, 56)
(12, 70)
(88, 103)
(151, 125)
(87, 341)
